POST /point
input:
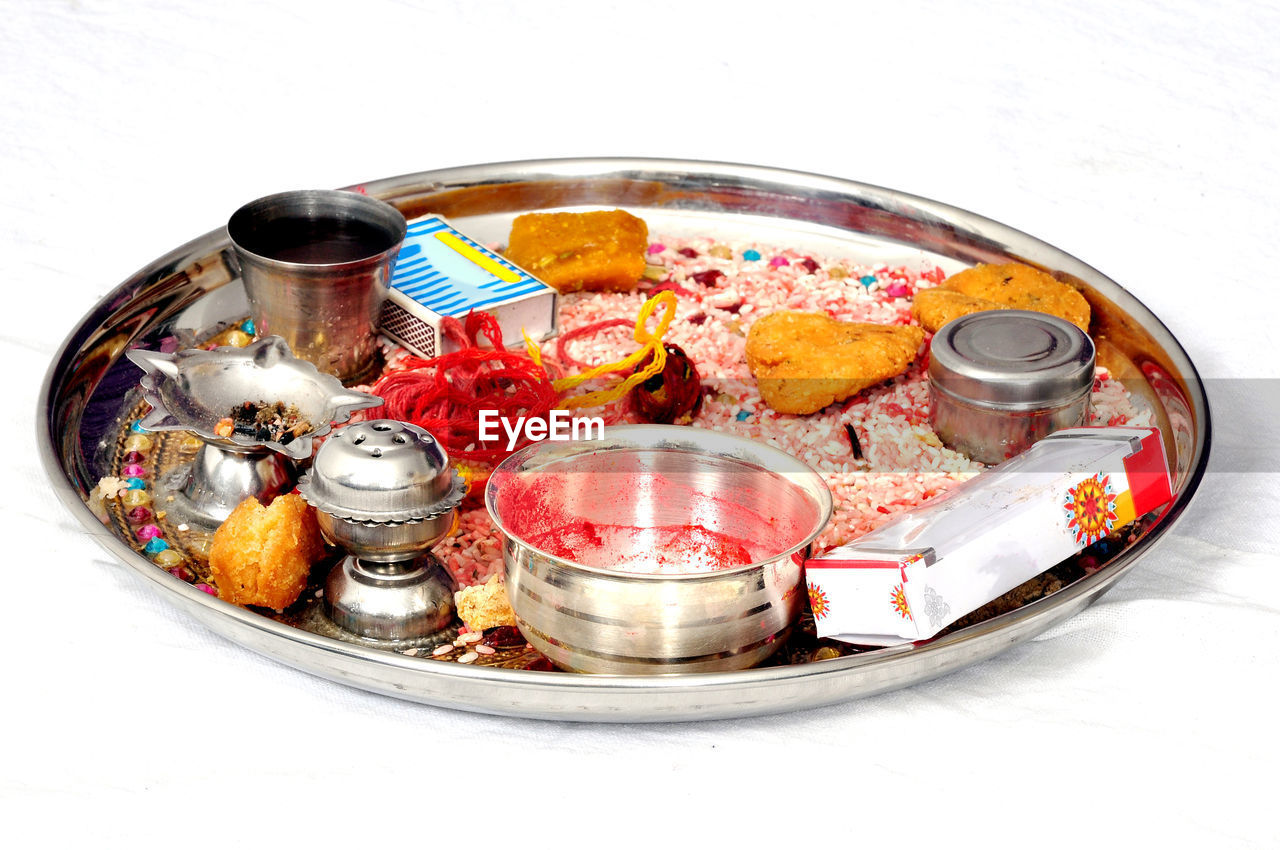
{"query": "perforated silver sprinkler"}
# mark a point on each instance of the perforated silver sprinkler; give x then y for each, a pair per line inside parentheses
(383, 491)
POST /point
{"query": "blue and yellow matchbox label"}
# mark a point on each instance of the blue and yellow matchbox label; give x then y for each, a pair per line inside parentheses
(451, 274)
(441, 272)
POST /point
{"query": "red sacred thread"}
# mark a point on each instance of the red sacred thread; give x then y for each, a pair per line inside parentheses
(613, 413)
(567, 359)
(445, 394)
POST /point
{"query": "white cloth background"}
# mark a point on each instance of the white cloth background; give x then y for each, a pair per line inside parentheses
(1141, 137)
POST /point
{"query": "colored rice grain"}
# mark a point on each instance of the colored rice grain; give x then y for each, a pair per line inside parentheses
(903, 463)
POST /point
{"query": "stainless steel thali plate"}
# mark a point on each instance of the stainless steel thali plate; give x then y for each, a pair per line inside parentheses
(197, 285)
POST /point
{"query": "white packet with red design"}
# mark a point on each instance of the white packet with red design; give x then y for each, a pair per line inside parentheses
(928, 567)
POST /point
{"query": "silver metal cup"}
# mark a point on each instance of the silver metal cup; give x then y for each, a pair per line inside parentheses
(316, 266)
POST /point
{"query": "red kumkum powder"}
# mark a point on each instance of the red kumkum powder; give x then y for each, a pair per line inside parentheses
(630, 549)
(635, 522)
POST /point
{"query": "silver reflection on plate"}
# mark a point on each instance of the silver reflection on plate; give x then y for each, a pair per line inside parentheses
(194, 390)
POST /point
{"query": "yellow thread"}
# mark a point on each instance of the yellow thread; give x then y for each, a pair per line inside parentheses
(535, 353)
(650, 343)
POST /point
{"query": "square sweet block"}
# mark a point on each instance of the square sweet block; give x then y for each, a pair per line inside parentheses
(573, 251)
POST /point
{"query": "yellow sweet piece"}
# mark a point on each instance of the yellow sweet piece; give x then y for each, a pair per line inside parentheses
(933, 308)
(484, 606)
(262, 556)
(803, 362)
(1018, 287)
(573, 251)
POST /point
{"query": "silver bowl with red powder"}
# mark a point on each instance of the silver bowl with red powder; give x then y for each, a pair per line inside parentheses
(658, 549)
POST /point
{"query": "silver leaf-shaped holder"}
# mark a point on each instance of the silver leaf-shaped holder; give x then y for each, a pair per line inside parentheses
(194, 390)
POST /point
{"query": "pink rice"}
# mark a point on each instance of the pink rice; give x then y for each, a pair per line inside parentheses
(903, 464)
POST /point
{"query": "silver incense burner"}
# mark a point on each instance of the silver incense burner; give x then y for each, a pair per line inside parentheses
(383, 490)
(194, 390)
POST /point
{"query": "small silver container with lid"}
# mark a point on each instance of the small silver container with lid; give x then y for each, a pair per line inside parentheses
(383, 490)
(1002, 379)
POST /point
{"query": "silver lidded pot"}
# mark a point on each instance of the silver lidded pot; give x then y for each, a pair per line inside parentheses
(383, 490)
(1002, 379)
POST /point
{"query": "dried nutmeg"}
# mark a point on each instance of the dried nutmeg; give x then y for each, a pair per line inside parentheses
(674, 395)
